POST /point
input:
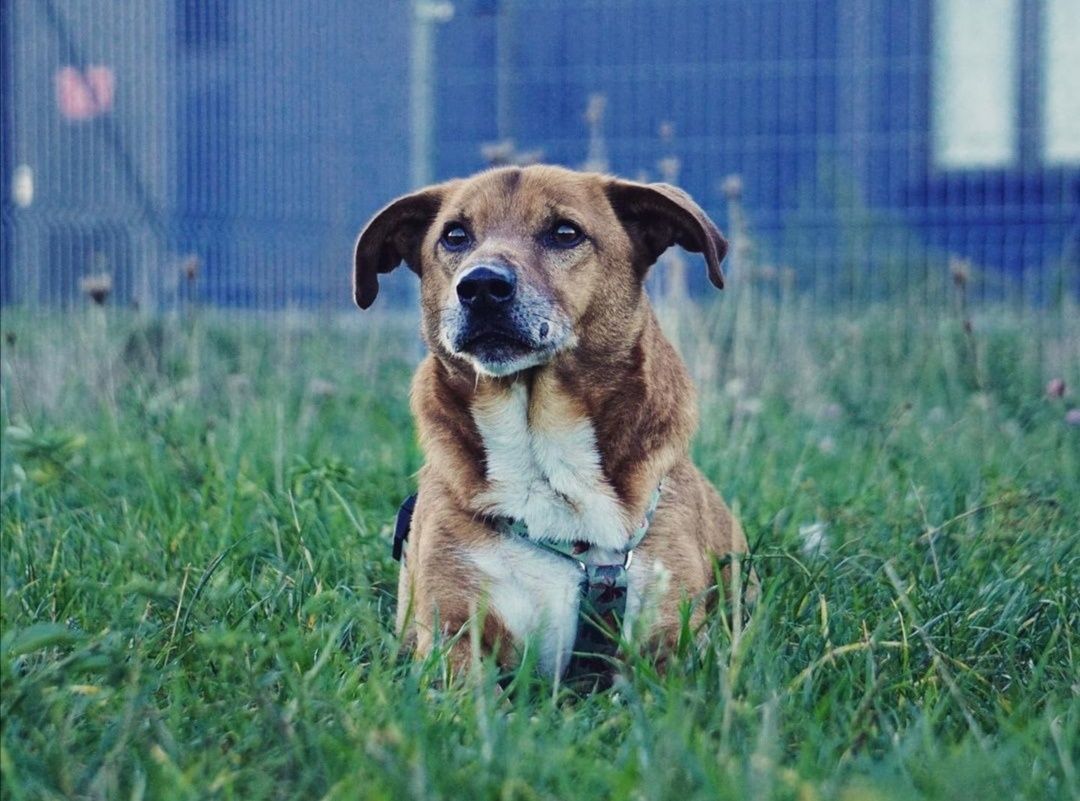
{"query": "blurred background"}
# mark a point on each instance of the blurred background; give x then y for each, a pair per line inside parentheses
(158, 153)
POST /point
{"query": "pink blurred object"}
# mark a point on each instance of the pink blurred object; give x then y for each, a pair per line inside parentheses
(85, 95)
(1072, 417)
(1055, 388)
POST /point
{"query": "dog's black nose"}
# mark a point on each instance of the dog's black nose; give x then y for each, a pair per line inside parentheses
(487, 286)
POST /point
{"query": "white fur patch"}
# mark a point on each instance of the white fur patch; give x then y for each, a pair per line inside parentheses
(550, 477)
(535, 595)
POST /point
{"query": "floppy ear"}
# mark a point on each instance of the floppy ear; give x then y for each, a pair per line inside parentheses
(658, 216)
(391, 237)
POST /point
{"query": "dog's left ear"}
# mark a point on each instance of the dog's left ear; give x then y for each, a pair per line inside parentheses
(658, 216)
(393, 236)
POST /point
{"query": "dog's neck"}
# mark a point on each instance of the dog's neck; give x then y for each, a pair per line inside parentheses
(592, 432)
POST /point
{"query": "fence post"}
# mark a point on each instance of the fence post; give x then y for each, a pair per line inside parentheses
(425, 15)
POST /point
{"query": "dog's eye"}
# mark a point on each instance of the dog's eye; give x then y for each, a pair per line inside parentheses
(455, 237)
(565, 235)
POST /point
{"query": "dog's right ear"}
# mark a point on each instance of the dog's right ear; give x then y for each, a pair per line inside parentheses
(393, 236)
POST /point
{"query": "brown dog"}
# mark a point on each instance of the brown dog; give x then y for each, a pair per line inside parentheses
(552, 411)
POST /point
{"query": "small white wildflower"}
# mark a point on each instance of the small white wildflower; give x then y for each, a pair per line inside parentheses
(749, 406)
(813, 538)
(734, 387)
(321, 389)
(732, 187)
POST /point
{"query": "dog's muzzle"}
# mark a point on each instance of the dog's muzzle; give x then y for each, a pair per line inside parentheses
(500, 324)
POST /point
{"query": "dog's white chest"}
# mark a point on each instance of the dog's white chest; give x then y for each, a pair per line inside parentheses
(535, 595)
(547, 473)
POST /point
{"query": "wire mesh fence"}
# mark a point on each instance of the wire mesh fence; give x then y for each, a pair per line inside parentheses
(159, 153)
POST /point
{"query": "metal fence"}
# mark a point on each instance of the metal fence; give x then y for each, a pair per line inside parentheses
(163, 152)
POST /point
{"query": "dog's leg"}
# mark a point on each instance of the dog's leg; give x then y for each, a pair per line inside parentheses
(442, 594)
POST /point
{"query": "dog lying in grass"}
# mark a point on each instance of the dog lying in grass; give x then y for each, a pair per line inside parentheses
(557, 493)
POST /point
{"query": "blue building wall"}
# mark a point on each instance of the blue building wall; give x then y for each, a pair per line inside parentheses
(256, 136)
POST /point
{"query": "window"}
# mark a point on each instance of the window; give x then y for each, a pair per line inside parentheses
(975, 103)
(1061, 85)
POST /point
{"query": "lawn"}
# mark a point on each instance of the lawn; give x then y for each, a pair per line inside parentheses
(198, 592)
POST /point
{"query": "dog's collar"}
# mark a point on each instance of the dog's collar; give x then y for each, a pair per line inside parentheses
(581, 552)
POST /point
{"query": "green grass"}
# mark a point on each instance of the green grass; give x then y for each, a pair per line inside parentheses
(198, 592)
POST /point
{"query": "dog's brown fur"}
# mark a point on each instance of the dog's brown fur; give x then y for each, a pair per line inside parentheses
(621, 374)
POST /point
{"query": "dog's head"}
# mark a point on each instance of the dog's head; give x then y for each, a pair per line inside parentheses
(521, 264)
